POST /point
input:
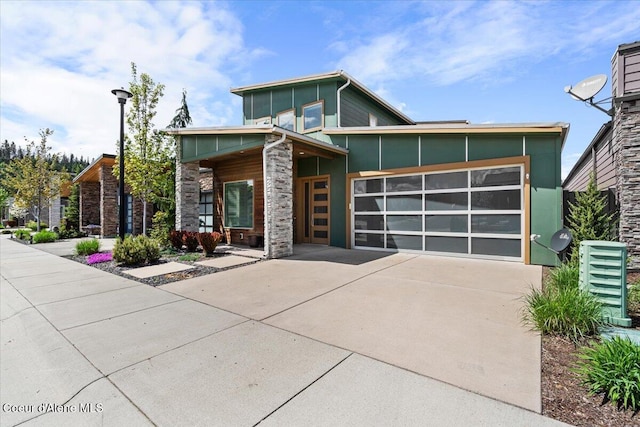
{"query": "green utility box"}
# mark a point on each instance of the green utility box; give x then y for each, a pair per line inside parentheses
(603, 272)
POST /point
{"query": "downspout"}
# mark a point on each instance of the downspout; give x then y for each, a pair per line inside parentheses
(340, 89)
(264, 181)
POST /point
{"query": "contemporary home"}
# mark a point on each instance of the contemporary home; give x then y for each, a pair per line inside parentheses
(613, 157)
(99, 200)
(322, 159)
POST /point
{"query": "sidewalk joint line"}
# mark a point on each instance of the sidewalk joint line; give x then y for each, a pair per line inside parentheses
(305, 388)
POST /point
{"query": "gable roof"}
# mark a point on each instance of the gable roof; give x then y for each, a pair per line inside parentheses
(334, 75)
(92, 172)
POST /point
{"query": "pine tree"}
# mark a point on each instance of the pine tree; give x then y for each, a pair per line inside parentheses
(588, 218)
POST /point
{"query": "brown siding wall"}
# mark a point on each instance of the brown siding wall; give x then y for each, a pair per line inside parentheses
(580, 180)
(605, 166)
(249, 167)
(632, 72)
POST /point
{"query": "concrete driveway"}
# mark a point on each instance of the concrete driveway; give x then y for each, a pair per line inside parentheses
(455, 320)
(324, 338)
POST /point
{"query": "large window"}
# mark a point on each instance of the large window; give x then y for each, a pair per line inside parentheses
(475, 212)
(287, 120)
(206, 211)
(238, 204)
(312, 116)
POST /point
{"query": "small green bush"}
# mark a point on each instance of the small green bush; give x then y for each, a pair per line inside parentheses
(33, 225)
(562, 308)
(136, 250)
(5, 232)
(45, 236)
(1, 226)
(161, 227)
(189, 257)
(612, 367)
(633, 296)
(87, 247)
(22, 234)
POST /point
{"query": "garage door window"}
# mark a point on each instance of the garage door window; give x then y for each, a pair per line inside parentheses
(475, 212)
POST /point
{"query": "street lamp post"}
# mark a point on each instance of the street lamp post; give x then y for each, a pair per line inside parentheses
(122, 96)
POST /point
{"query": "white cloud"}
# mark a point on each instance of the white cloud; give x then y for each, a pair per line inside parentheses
(568, 161)
(59, 62)
(447, 43)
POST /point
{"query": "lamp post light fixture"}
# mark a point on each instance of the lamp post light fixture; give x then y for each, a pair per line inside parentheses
(122, 96)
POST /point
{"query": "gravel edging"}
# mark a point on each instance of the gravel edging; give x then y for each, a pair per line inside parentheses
(196, 270)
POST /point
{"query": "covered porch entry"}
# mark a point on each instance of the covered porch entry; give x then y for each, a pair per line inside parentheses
(241, 181)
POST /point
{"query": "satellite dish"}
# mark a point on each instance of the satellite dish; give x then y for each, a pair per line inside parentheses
(560, 240)
(587, 88)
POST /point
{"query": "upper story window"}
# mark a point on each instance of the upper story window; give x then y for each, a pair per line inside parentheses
(312, 116)
(287, 119)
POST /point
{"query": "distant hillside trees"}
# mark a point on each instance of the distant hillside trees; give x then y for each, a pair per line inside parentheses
(70, 163)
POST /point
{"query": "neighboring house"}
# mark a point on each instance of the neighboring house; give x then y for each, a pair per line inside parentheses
(614, 154)
(322, 159)
(99, 204)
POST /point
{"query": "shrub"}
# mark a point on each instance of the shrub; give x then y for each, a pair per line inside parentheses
(87, 247)
(99, 257)
(175, 237)
(633, 296)
(190, 240)
(563, 277)
(189, 257)
(22, 234)
(45, 236)
(1, 226)
(136, 250)
(161, 228)
(5, 232)
(570, 312)
(34, 225)
(209, 241)
(612, 367)
(68, 230)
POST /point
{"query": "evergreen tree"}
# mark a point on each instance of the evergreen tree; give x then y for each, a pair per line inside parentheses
(182, 118)
(588, 218)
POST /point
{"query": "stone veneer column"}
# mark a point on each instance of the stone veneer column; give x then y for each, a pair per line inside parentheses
(278, 199)
(109, 217)
(54, 212)
(187, 195)
(89, 203)
(627, 133)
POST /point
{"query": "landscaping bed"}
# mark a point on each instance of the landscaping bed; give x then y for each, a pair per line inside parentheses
(188, 259)
(564, 398)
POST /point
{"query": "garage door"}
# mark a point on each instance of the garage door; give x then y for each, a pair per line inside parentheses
(473, 212)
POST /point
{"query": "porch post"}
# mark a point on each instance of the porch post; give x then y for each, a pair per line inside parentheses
(187, 193)
(108, 202)
(278, 199)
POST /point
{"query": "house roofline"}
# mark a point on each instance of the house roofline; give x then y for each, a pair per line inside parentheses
(259, 129)
(97, 161)
(325, 76)
(604, 129)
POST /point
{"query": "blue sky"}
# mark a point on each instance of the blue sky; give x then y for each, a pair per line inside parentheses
(486, 62)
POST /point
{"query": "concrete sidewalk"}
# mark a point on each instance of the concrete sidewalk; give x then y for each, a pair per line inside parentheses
(83, 347)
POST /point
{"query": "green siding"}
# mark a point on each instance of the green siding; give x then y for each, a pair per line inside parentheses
(437, 149)
(307, 166)
(281, 100)
(363, 153)
(356, 107)
(199, 147)
(246, 110)
(328, 94)
(261, 104)
(546, 194)
(483, 147)
(399, 151)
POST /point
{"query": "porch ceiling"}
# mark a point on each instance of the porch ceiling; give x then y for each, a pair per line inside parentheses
(92, 172)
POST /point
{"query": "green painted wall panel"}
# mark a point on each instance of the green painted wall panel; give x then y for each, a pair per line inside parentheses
(261, 104)
(546, 194)
(494, 146)
(189, 149)
(198, 147)
(328, 93)
(307, 167)
(281, 101)
(399, 151)
(363, 153)
(339, 140)
(228, 141)
(438, 149)
(355, 109)
(336, 168)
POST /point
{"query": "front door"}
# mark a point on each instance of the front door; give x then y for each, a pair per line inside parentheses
(314, 201)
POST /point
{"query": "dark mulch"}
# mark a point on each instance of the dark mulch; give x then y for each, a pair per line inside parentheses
(196, 271)
(564, 399)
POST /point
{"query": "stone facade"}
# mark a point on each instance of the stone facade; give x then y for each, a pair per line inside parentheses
(279, 200)
(89, 203)
(187, 195)
(206, 180)
(54, 212)
(109, 214)
(627, 132)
